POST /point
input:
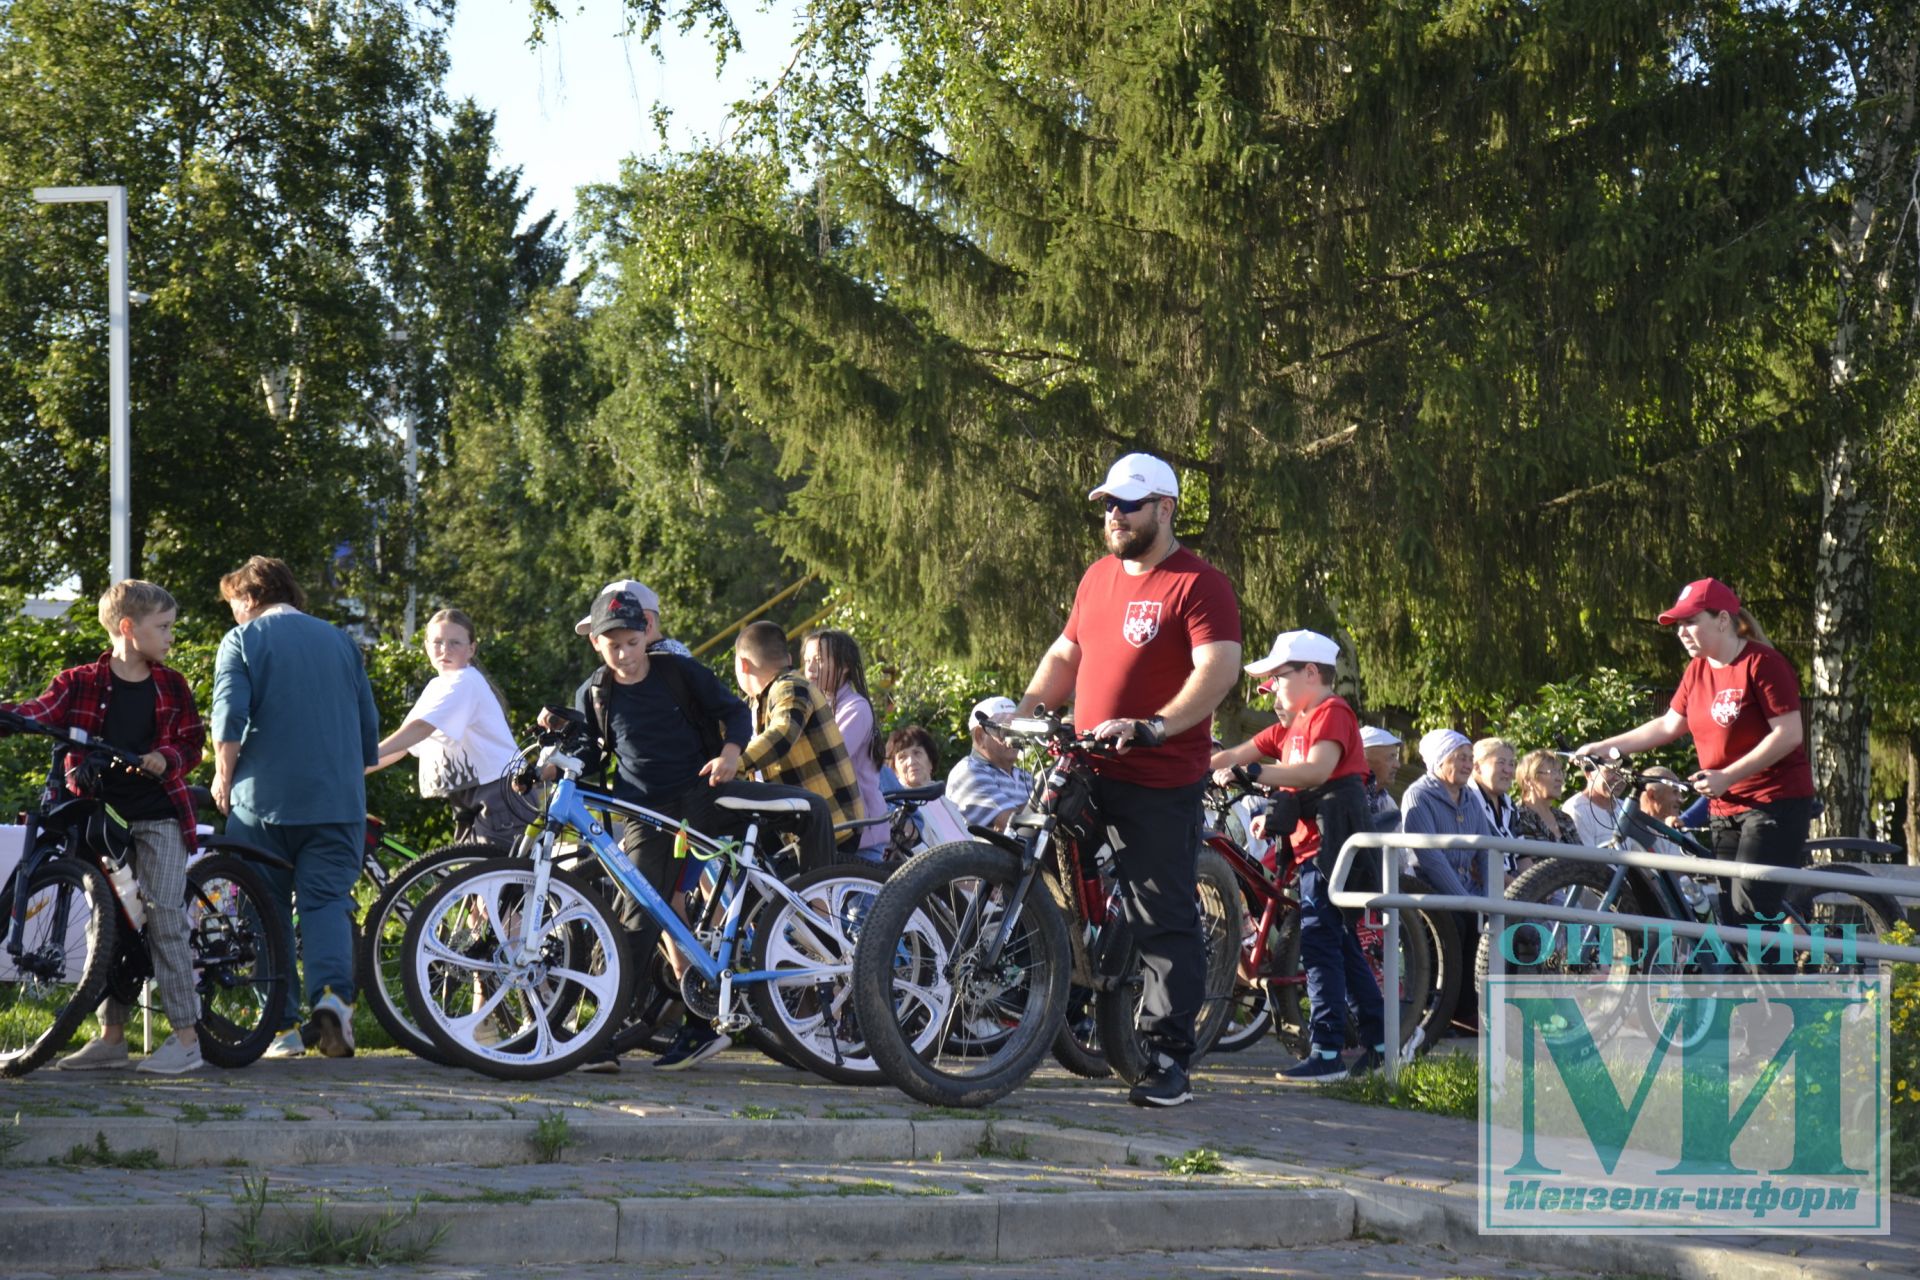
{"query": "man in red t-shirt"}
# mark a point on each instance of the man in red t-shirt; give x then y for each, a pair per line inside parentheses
(1152, 645)
(1323, 769)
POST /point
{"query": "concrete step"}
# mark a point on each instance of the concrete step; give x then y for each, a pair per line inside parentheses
(657, 1211)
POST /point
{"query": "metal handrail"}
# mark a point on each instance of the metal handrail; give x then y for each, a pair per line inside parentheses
(1497, 906)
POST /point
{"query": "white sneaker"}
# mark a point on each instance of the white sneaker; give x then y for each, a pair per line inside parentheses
(96, 1055)
(287, 1044)
(173, 1058)
(333, 1025)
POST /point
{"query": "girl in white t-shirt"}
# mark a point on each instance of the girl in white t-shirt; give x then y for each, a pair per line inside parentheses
(458, 729)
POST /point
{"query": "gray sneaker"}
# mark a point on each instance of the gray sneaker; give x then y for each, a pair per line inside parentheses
(96, 1055)
(173, 1058)
(287, 1044)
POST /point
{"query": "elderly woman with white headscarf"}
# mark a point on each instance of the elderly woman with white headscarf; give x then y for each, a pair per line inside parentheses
(1442, 802)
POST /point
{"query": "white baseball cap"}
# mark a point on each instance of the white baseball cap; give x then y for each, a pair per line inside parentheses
(993, 708)
(1136, 476)
(638, 590)
(1296, 646)
(1375, 737)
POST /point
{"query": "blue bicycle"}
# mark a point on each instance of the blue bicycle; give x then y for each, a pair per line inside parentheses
(518, 968)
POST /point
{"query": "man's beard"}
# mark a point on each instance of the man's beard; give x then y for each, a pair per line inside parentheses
(1130, 543)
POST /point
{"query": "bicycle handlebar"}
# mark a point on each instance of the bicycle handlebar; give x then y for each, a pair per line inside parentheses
(1054, 730)
(1619, 764)
(72, 739)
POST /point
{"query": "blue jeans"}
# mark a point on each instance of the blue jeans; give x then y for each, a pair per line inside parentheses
(326, 858)
(1337, 970)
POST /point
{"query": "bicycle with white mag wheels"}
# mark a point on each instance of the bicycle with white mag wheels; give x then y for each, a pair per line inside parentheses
(519, 968)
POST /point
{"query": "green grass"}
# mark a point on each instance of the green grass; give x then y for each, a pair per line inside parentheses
(552, 1136)
(102, 1156)
(494, 1195)
(194, 1113)
(752, 1112)
(320, 1242)
(1199, 1160)
(1441, 1084)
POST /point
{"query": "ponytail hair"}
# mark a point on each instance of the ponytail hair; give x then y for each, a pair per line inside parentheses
(459, 618)
(1748, 628)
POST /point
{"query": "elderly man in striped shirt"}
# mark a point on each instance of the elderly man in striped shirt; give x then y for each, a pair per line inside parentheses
(986, 785)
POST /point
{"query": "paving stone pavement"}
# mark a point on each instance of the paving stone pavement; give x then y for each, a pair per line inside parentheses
(1238, 1110)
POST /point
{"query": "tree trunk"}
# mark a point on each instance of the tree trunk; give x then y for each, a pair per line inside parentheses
(1868, 251)
(1912, 831)
(1842, 627)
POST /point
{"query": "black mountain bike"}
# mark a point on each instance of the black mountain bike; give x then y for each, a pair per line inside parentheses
(70, 940)
(963, 967)
(1670, 895)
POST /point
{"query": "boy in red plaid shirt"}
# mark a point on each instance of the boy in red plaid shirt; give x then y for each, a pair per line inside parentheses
(129, 698)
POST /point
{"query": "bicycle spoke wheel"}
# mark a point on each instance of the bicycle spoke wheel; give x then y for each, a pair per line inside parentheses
(1249, 1016)
(949, 1022)
(61, 973)
(1077, 1046)
(1610, 961)
(1842, 915)
(236, 941)
(1222, 914)
(378, 948)
(504, 1003)
(811, 1014)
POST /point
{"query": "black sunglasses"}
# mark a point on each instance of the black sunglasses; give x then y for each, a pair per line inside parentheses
(1127, 506)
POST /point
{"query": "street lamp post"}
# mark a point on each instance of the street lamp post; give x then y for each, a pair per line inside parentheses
(119, 441)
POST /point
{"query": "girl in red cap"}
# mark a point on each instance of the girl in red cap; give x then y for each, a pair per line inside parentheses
(1740, 700)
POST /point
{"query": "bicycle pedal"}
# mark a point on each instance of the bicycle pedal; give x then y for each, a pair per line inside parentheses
(732, 1024)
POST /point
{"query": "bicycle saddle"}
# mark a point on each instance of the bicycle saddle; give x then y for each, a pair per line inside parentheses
(915, 795)
(742, 804)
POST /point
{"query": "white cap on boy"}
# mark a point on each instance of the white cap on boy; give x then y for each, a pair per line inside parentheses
(1296, 646)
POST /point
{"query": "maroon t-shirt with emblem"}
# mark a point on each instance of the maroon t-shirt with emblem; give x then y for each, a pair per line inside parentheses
(1728, 709)
(1137, 635)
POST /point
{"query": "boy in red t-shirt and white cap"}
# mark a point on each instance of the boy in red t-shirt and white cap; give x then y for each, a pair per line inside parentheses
(1324, 766)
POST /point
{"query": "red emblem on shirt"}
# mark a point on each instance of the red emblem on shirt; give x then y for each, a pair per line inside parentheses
(1142, 622)
(1726, 706)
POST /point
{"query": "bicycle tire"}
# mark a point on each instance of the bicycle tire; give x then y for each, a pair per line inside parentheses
(1871, 913)
(382, 929)
(1428, 991)
(816, 1033)
(1077, 1046)
(655, 1014)
(1249, 1017)
(1223, 923)
(239, 946)
(922, 934)
(1565, 882)
(526, 1022)
(39, 1012)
